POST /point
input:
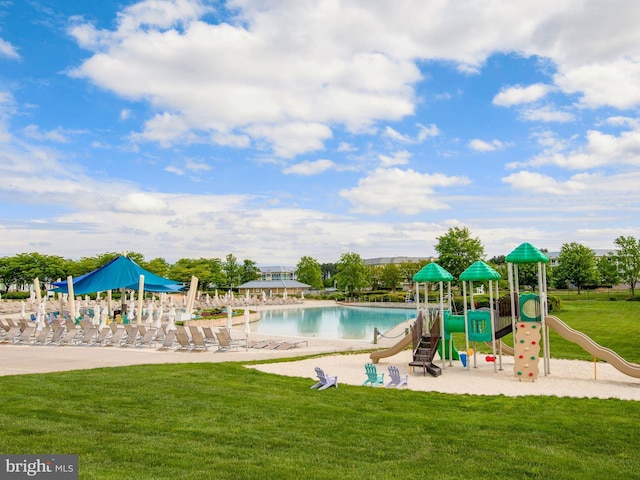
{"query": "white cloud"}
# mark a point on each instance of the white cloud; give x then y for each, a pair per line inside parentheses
(309, 168)
(142, 203)
(600, 150)
(58, 135)
(546, 113)
(424, 132)
(538, 183)
(174, 169)
(291, 139)
(427, 132)
(347, 147)
(8, 50)
(406, 192)
(231, 140)
(620, 121)
(613, 83)
(399, 158)
(197, 166)
(163, 128)
(125, 114)
(395, 135)
(483, 146)
(516, 95)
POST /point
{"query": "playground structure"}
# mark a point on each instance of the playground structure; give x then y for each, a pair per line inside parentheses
(523, 314)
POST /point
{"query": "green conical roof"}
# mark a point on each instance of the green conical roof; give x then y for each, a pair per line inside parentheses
(432, 272)
(479, 271)
(527, 253)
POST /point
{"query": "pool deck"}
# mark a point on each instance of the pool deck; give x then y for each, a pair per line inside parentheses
(25, 359)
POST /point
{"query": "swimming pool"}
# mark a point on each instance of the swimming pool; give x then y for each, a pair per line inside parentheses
(349, 323)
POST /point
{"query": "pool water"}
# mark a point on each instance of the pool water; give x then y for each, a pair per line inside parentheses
(348, 323)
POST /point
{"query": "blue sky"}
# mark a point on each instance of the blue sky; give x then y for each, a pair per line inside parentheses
(277, 129)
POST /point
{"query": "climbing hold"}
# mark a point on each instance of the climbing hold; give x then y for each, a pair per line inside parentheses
(531, 374)
(532, 357)
(533, 343)
(521, 341)
(520, 356)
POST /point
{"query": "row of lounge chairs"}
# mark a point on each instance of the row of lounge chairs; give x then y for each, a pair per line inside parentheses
(86, 334)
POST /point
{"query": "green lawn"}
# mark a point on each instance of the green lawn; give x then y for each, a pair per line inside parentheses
(205, 421)
(226, 421)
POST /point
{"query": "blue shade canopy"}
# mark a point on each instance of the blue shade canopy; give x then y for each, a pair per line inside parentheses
(432, 272)
(121, 272)
(527, 253)
(480, 272)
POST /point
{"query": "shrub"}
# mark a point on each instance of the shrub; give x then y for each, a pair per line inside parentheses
(17, 295)
(554, 303)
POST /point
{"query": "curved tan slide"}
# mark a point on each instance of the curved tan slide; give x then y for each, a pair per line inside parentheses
(391, 351)
(611, 357)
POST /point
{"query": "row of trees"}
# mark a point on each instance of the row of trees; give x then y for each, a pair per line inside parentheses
(20, 270)
(577, 266)
(457, 249)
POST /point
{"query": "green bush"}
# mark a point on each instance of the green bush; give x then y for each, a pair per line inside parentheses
(17, 295)
(554, 303)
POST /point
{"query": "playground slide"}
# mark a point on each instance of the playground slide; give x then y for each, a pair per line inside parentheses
(611, 357)
(391, 351)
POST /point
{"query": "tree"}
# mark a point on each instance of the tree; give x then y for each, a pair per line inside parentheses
(628, 259)
(352, 272)
(159, 266)
(10, 273)
(391, 276)
(249, 271)
(608, 270)
(577, 265)
(232, 271)
(374, 274)
(329, 271)
(457, 250)
(308, 271)
(207, 270)
(408, 269)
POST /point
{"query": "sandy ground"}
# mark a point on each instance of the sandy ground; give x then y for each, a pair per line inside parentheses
(569, 378)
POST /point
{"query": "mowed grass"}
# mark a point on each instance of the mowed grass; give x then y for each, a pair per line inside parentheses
(226, 421)
(612, 324)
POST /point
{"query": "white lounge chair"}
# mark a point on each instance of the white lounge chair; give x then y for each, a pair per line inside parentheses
(325, 381)
(397, 380)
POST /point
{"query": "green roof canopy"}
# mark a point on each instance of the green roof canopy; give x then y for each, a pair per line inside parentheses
(479, 271)
(432, 272)
(527, 253)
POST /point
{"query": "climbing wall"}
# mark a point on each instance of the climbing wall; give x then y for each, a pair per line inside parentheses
(527, 350)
